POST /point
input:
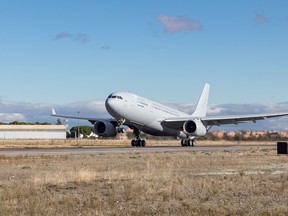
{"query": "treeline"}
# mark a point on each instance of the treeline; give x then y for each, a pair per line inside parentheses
(131, 136)
(211, 137)
(238, 136)
(85, 130)
(242, 136)
(24, 123)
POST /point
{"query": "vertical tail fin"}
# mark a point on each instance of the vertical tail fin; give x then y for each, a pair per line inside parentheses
(201, 107)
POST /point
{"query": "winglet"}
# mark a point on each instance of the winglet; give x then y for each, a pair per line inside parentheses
(53, 112)
(201, 108)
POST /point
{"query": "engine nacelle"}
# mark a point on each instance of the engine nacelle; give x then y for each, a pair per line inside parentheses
(194, 128)
(105, 129)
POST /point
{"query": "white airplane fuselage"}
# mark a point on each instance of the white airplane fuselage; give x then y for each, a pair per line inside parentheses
(142, 113)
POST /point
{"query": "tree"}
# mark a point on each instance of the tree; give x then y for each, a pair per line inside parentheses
(59, 122)
(85, 130)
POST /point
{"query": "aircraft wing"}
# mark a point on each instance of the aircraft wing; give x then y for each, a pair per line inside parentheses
(210, 121)
(220, 120)
(92, 120)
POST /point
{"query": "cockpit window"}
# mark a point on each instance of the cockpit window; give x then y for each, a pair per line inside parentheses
(115, 96)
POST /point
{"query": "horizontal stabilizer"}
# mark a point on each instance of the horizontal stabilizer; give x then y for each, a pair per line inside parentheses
(53, 112)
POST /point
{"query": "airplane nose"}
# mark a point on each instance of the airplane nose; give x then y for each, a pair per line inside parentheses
(110, 106)
(108, 103)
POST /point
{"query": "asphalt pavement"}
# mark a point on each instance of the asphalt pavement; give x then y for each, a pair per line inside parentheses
(109, 150)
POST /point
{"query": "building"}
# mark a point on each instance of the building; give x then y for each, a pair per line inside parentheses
(32, 132)
(250, 134)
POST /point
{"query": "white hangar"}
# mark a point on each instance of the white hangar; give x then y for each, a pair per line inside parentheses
(32, 132)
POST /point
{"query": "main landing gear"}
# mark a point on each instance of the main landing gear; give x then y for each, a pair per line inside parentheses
(138, 142)
(187, 142)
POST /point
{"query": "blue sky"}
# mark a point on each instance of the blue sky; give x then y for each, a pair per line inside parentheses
(62, 53)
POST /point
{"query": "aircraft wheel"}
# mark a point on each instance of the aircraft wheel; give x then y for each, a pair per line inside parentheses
(143, 143)
(133, 143)
(182, 143)
(187, 143)
(138, 143)
(193, 142)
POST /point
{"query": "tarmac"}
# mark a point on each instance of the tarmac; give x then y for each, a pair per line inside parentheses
(110, 150)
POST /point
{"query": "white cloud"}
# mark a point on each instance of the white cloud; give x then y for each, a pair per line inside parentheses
(81, 37)
(86, 107)
(33, 112)
(261, 19)
(280, 123)
(214, 110)
(63, 35)
(178, 23)
(10, 117)
(104, 48)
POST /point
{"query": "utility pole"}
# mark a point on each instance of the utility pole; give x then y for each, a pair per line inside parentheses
(78, 134)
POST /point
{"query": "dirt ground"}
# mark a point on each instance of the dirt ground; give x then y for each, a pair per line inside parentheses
(253, 182)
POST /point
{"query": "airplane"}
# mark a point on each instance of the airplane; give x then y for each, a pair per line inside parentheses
(141, 114)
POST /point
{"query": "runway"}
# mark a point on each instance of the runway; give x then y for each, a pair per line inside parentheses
(109, 150)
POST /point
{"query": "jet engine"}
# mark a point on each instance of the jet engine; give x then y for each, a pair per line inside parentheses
(194, 128)
(105, 129)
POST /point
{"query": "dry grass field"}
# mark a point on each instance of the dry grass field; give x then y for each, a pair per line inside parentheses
(253, 182)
